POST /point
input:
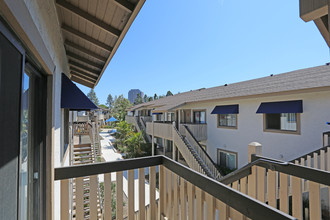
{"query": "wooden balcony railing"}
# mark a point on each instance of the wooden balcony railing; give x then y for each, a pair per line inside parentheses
(199, 131)
(81, 128)
(292, 188)
(162, 130)
(183, 193)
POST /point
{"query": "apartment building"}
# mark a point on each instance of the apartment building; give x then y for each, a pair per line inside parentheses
(286, 113)
(47, 44)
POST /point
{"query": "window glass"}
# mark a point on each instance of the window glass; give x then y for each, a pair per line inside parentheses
(199, 117)
(283, 121)
(24, 146)
(202, 118)
(227, 159)
(227, 120)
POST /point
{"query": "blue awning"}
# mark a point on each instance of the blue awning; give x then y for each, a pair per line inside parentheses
(281, 107)
(157, 113)
(73, 98)
(225, 109)
(112, 119)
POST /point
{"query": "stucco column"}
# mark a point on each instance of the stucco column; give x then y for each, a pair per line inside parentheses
(254, 148)
(191, 116)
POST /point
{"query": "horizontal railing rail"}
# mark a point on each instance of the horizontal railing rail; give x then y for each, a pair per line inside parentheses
(311, 154)
(307, 173)
(242, 203)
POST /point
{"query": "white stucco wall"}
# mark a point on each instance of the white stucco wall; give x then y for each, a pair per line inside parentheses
(281, 146)
(38, 19)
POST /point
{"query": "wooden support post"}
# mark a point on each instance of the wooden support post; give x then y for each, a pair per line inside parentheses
(80, 198)
(314, 194)
(152, 193)
(162, 189)
(175, 197)
(130, 193)
(107, 196)
(210, 206)
(222, 208)
(169, 193)
(141, 194)
(93, 189)
(283, 194)
(297, 205)
(119, 195)
(254, 148)
(199, 204)
(183, 199)
(271, 188)
(233, 213)
(65, 198)
(261, 184)
(191, 200)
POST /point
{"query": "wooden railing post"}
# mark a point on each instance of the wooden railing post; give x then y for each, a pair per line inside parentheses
(107, 196)
(253, 148)
(65, 198)
(152, 139)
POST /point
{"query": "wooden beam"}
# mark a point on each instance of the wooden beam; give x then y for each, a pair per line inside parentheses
(72, 68)
(323, 28)
(83, 59)
(87, 38)
(84, 68)
(76, 10)
(85, 51)
(126, 5)
(81, 81)
(311, 10)
(84, 77)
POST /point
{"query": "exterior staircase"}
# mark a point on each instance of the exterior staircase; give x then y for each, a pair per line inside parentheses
(193, 157)
(85, 153)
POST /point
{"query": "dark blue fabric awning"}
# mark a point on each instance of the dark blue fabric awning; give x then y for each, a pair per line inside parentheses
(281, 107)
(73, 98)
(157, 113)
(225, 109)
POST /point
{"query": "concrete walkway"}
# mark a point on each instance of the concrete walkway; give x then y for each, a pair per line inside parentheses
(109, 153)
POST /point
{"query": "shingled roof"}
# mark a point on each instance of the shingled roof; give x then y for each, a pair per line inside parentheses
(310, 78)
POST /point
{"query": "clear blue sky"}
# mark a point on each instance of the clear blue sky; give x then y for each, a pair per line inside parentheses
(180, 45)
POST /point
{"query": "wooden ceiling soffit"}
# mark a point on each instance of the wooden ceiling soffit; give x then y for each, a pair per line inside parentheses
(83, 73)
(81, 81)
(84, 68)
(86, 38)
(128, 6)
(83, 59)
(85, 15)
(85, 51)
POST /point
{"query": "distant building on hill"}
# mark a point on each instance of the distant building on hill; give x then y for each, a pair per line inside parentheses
(132, 94)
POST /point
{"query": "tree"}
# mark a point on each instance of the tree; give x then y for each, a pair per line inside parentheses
(138, 99)
(120, 107)
(92, 96)
(150, 99)
(169, 93)
(161, 96)
(155, 97)
(110, 101)
(145, 98)
(103, 106)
